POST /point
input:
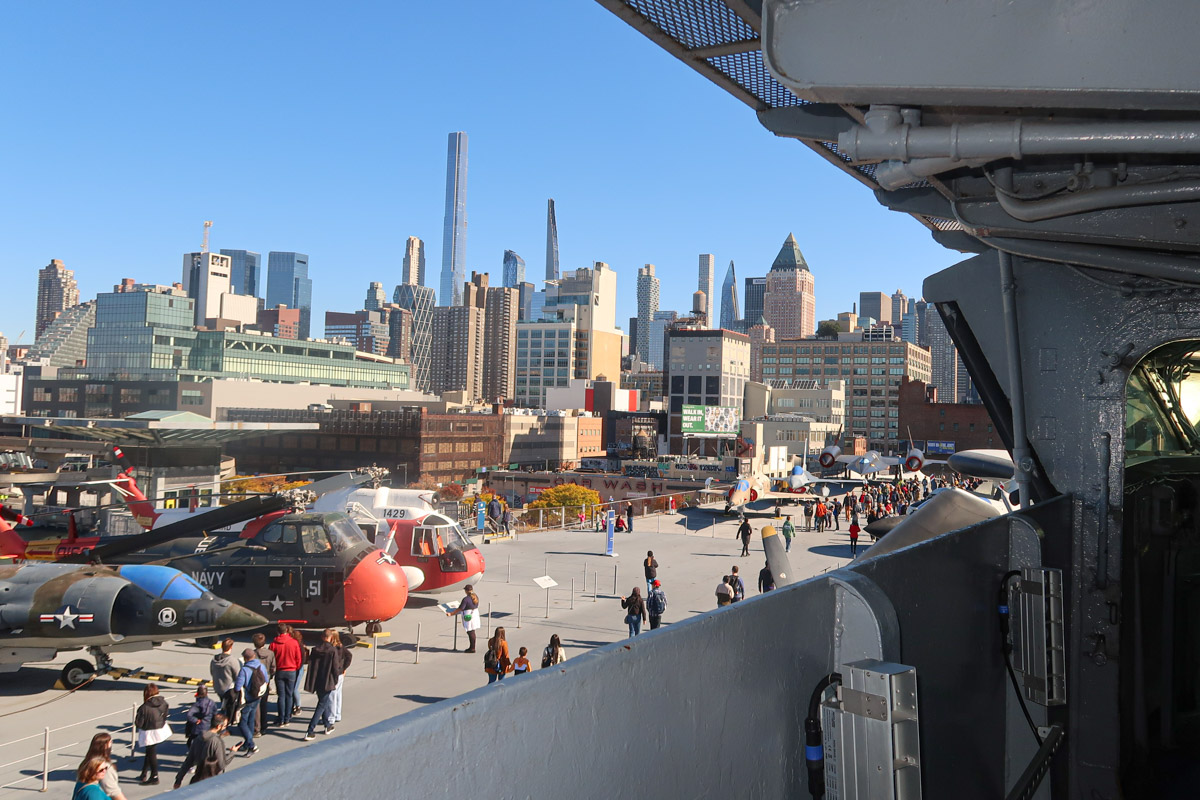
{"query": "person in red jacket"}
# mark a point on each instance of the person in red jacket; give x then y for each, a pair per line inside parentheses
(287, 666)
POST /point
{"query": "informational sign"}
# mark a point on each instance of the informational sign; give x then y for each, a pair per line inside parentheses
(610, 532)
(450, 606)
(934, 448)
(480, 521)
(545, 582)
(710, 420)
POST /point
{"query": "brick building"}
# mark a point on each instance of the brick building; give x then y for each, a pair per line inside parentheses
(409, 441)
(966, 426)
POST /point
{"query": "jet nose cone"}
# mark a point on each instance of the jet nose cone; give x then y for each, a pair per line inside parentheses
(236, 618)
(376, 589)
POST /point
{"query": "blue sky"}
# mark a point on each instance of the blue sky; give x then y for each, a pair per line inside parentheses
(321, 128)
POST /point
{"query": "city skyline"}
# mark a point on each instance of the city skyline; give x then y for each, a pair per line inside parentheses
(364, 175)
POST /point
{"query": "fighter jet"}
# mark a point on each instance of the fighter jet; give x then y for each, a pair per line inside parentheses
(47, 608)
(789, 489)
(871, 462)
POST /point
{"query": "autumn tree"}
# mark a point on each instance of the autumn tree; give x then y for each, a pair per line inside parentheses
(451, 491)
(571, 495)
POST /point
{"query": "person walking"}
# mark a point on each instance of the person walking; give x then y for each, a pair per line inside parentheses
(766, 581)
(629, 517)
(267, 657)
(656, 604)
(323, 663)
(224, 669)
(789, 533)
(853, 540)
(286, 650)
(252, 682)
(101, 747)
(745, 531)
(554, 653)
(153, 730)
(206, 753)
(509, 520)
(819, 512)
(650, 566)
(848, 506)
(494, 514)
(835, 514)
(468, 607)
(346, 658)
(635, 609)
(88, 777)
(521, 662)
(724, 592)
(304, 651)
(198, 718)
(496, 661)
(808, 515)
(735, 583)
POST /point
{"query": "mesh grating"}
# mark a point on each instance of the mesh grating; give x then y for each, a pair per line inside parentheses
(748, 70)
(694, 23)
(944, 224)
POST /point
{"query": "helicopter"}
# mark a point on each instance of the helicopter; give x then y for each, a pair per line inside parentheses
(46, 609)
(264, 552)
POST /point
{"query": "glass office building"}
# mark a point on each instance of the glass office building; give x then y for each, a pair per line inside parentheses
(245, 271)
(288, 284)
(419, 300)
(140, 333)
(454, 226)
(514, 269)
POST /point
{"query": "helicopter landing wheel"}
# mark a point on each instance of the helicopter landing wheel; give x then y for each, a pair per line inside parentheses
(77, 673)
(374, 627)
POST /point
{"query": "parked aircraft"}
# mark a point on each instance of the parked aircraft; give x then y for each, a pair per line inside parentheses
(871, 462)
(46, 609)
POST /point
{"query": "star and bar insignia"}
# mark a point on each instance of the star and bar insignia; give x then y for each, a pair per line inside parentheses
(66, 618)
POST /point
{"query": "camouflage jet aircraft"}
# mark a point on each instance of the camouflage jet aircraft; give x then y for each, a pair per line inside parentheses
(49, 608)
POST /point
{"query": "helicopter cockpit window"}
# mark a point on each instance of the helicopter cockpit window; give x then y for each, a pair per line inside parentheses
(343, 533)
(313, 539)
(424, 542)
(1162, 403)
(272, 534)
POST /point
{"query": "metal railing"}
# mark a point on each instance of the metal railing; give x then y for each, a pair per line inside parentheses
(590, 517)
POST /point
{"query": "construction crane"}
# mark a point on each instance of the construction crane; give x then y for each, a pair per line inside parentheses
(207, 228)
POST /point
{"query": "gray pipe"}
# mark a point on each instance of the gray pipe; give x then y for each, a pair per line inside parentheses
(888, 140)
(894, 174)
(1022, 456)
(1180, 269)
(1093, 199)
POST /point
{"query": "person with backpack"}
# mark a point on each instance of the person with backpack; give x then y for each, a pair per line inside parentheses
(496, 661)
(199, 715)
(252, 682)
(789, 532)
(650, 567)
(323, 664)
(554, 653)
(267, 657)
(206, 754)
(635, 611)
(735, 583)
(724, 592)
(656, 604)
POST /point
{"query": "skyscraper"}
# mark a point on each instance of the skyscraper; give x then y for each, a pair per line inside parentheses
(288, 284)
(419, 301)
(551, 242)
(414, 262)
(899, 307)
(647, 304)
(458, 334)
(375, 297)
(876, 305)
(208, 276)
(729, 300)
(498, 357)
(790, 301)
(755, 290)
(708, 266)
(57, 291)
(454, 226)
(245, 271)
(514, 269)
(660, 323)
(943, 357)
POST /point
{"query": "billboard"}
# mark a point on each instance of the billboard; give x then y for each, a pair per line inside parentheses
(710, 420)
(933, 448)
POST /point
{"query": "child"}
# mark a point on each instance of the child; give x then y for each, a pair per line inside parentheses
(854, 538)
(521, 663)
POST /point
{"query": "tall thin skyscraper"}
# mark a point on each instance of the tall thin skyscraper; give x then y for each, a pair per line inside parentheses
(551, 242)
(245, 276)
(414, 262)
(57, 291)
(514, 269)
(419, 301)
(708, 267)
(729, 300)
(454, 226)
(288, 284)
(647, 303)
(899, 307)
